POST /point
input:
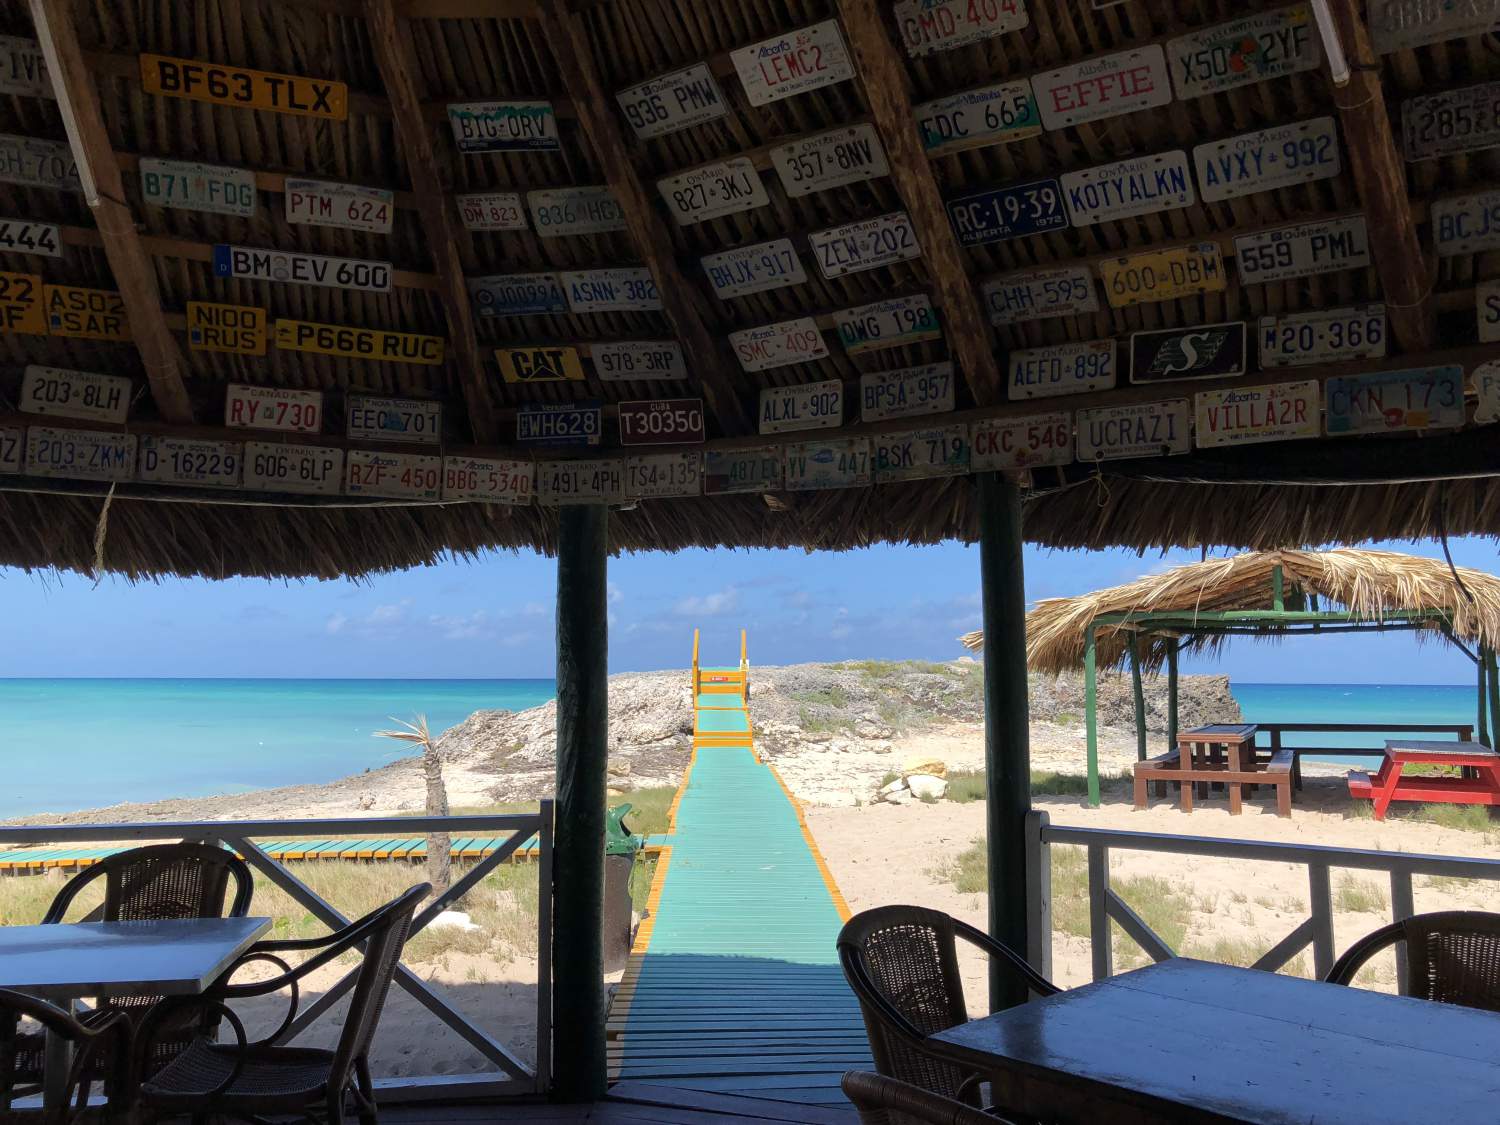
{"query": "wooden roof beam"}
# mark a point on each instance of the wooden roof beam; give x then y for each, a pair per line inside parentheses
(1379, 173)
(104, 189)
(886, 88)
(391, 40)
(685, 307)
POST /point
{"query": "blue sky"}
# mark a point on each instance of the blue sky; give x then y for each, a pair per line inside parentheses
(493, 618)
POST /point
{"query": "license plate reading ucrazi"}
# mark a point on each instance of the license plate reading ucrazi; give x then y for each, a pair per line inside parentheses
(1398, 24)
(921, 454)
(661, 421)
(416, 420)
(85, 314)
(488, 480)
(1009, 212)
(79, 454)
(1243, 51)
(865, 245)
(887, 324)
(646, 361)
(397, 476)
(35, 162)
(832, 463)
(742, 470)
(23, 68)
(237, 329)
(1062, 369)
(191, 461)
(250, 264)
(191, 186)
(630, 289)
(1421, 398)
(1163, 275)
(1244, 415)
(1451, 122)
(577, 210)
(1466, 224)
(659, 475)
(580, 482)
(754, 269)
(322, 204)
(560, 424)
(840, 156)
(294, 468)
(517, 294)
(808, 406)
(940, 25)
(1325, 336)
(1148, 429)
(491, 210)
(906, 392)
(1302, 250)
(987, 116)
(793, 63)
(725, 188)
(273, 408)
(1103, 86)
(1298, 153)
(21, 236)
(503, 126)
(1038, 294)
(74, 394)
(776, 345)
(359, 343)
(1022, 443)
(243, 88)
(1138, 186)
(673, 101)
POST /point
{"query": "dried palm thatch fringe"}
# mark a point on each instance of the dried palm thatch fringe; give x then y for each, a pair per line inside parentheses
(1374, 586)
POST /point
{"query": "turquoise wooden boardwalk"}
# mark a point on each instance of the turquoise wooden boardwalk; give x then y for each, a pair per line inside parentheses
(734, 986)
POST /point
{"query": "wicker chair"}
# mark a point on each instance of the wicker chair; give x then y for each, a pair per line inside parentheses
(902, 963)
(1452, 956)
(885, 1101)
(245, 1079)
(100, 1047)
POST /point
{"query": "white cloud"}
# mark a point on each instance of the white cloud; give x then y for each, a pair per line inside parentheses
(708, 605)
(615, 594)
(381, 621)
(336, 624)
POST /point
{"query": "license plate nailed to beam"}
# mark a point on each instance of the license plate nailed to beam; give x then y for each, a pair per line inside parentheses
(1148, 429)
(1163, 275)
(1418, 398)
(556, 424)
(1009, 212)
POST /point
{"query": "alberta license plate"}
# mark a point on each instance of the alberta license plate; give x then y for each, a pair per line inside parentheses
(1326, 336)
(488, 480)
(398, 476)
(865, 245)
(1419, 398)
(1008, 212)
(1269, 158)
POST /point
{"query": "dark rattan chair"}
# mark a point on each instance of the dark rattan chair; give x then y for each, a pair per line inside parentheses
(885, 1101)
(902, 963)
(250, 1079)
(1452, 956)
(100, 1048)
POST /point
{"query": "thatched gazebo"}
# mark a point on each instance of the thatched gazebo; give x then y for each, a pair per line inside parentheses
(1145, 625)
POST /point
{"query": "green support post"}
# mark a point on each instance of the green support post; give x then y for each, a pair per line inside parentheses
(1091, 711)
(1007, 728)
(1493, 680)
(579, 1070)
(1278, 589)
(1140, 698)
(1172, 644)
(1482, 664)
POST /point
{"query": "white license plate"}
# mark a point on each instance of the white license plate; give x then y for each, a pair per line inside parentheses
(1138, 186)
(1398, 24)
(940, 25)
(987, 116)
(1149, 429)
(580, 482)
(865, 245)
(79, 454)
(190, 186)
(12, 448)
(1303, 250)
(1328, 335)
(655, 476)
(906, 392)
(22, 236)
(192, 461)
(396, 476)
(754, 269)
(887, 324)
(1245, 415)
(1466, 224)
(742, 470)
(1251, 49)
(74, 394)
(832, 159)
(23, 68)
(1103, 86)
(503, 126)
(1038, 294)
(920, 454)
(1485, 381)
(1298, 153)
(1021, 443)
(776, 345)
(806, 406)
(491, 210)
(577, 210)
(1487, 309)
(294, 468)
(713, 190)
(38, 163)
(488, 480)
(630, 289)
(1062, 369)
(835, 463)
(322, 204)
(793, 63)
(1451, 122)
(646, 361)
(250, 264)
(416, 420)
(273, 408)
(1419, 398)
(673, 101)
(517, 294)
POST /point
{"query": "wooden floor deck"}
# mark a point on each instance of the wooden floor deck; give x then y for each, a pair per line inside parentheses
(630, 1103)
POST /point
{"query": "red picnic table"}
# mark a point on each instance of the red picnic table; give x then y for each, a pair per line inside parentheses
(1478, 783)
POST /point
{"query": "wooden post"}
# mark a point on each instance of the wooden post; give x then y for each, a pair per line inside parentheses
(1007, 734)
(1484, 727)
(1091, 712)
(1172, 693)
(1140, 698)
(1492, 681)
(1278, 589)
(582, 745)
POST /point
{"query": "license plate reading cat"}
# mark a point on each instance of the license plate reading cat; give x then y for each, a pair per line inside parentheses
(1009, 212)
(835, 463)
(191, 186)
(658, 475)
(631, 289)
(1270, 158)
(793, 63)
(23, 68)
(921, 454)
(397, 476)
(1149, 429)
(322, 204)
(577, 210)
(1022, 443)
(493, 210)
(754, 269)
(1065, 291)
(38, 163)
(1253, 49)
(1163, 275)
(416, 420)
(74, 394)
(517, 294)
(488, 480)
(776, 345)
(273, 408)
(79, 454)
(987, 116)
(906, 392)
(865, 245)
(713, 190)
(807, 406)
(194, 461)
(580, 482)
(887, 324)
(22, 236)
(558, 424)
(940, 25)
(1451, 122)
(1062, 369)
(842, 156)
(1419, 398)
(250, 264)
(1329, 335)
(673, 101)
(294, 468)
(1302, 250)
(647, 361)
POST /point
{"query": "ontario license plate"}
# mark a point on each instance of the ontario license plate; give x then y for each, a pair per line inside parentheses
(990, 115)
(834, 463)
(12, 448)
(35, 162)
(322, 204)
(1396, 25)
(1103, 86)
(397, 476)
(713, 190)
(921, 454)
(1163, 275)
(244, 88)
(662, 421)
(85, 314)
(359, 343)
(887, 324)
(249, 264)
(1204, 351)
(273, 408)
(865, 245)
(1302, 250)
(1245, 415)
(488, 480)
(1038, 294)
(754, 269)
(545, 363)
(906, 392)
(23, 68)
(1148, 429)
(1009, 212)
(416, 420)
(1326, 336)
(832, 159)
(776, 345)
(1021, 443)
(1420, 398)
(646, 361)
(22, 236)
(1138, 186)
(315, 469)
(580, 482)
(793, 63)
(1243, 51)
(630, 289)
(1451, 122)
(806, 406)
(191, 461)
(560, 424)
(503, 126)
(1298, 153)
(236, 329)
(940, 25)
(491, 210)
(65, 393)
(673, 101)
(577, 210)
(1466, 224)
(1062, 369)
(742, 470)
(79, 454)
(653, 476)
(517, 294)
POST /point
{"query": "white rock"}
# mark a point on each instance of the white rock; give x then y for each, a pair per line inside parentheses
(892, 787)
(898, 797)
(453, 920)
(925, 787)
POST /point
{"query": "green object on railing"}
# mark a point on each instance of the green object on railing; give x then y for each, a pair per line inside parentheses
(618, 839)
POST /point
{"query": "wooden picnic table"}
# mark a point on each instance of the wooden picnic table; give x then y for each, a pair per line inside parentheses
(1217, 754)
(1478, 784)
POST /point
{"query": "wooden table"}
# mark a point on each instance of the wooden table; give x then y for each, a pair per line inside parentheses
(1187, 1041)
(1479, 765)
(63, 963)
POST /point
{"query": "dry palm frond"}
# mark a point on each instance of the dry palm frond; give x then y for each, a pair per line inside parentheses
(416, 732)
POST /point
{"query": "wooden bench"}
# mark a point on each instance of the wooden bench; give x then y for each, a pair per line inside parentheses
(1157, 772)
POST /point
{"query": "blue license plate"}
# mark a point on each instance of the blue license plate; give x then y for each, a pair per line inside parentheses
(559, 425)
(1009, 212)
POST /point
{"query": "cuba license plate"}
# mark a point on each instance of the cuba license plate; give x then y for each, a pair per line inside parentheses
(316, 469)
(887, 324)
(989, 115)
(1298, 153)
(629, 289)
(906, 392)
(491, 210)
(22, 236)
(1303, 250)
(1326, 336)
(191, 461)
(776, 345)
(1163, 275)
(560, 424)
(351, 206)
(865, 245)
(832, 159)
(754, 269)
(1038, 294)
(79, 454)
(74, 394)
(1451, 122)
(793, 63)
(713, 190)
(488, 480)
(673, 101)
(1062, 369)
(580, 482)
(1021, 443)
(662, 421)
(649, 361)
(834, 463)
(653, 476)
(1008, 212)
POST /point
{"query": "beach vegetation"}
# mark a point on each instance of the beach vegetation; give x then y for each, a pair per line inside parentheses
(1464, 818)
(833, 695)
(439, 862)
(965, 786)
(1165, 906)
(1358, 896)
(1447, 882)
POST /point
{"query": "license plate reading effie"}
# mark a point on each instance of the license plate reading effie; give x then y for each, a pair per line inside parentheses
(79, 454)
(191, 461)
(322, 204)
(578, 210)
(807, 406)
(987, 116)
(1399, 24)
(560, 424)
(273, 408)
(417, 420)
(834, 463)
(35, 162)
(776, 345)
(1328, 335)
(397, 476)
(647, 361)
(580, 482)
(887, 324)
(793, 63)
(940, 25)
(865, 245)
(503, 126)
(1103, 86)
(1298, 153)
(1038, 294)
(1062, 369)
(248, 263)
(1149, 429)
(1009, 212)
(23, 68)
(294, 468)
(1302, 250)
(1022, 443)
(1244, 415)
(630, 289)
(1141, 185)
(488, 480)
(742, 470)
(660, 475)
(491, 210)
(1419, 398)
(1243, 51)
(713, 190)
(920, 454)
(832, 159)
(1163, 275)
(74, 394)
(237, 329)
(673, 101)
(754, 269)
(1451, 122)
(22, 236)
(1466, 224)
(215, 188)
(663, 421)
(906, 392)
(517, 294)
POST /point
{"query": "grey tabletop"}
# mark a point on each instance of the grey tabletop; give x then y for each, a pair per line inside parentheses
(165, 958)
(1417, 745)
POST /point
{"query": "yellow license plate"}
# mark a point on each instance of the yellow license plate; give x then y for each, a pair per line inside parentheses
(1163, 275)
(21, 304)
(243, 88)
(358, 343)
(539, 364)
(87, 314)
(240, 329)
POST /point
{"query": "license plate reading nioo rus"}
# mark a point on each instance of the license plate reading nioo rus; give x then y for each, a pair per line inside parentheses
(397, 476)
(887, 324)
(488, 480)
(865, 245)
(1298, 153)
(394, 419)
(1022, 443)
(1302, 250)
(920, 454)
(1244, 415)
(713, 190)
(580, 482)
(191, 186)
(1451, 122)
(1038, 294)
(1325, 336)
(1008, 212)
(1148, 429)
(776, 345)
(294, 468)
(832, 159)
(64, 393)
(793, 63)
(560, 424)
(1243, 51)
(79, 454)
(235, 329)
(754, 269)
(833, 463)
(988, 115)
(906, 392)
(673, 101)
(1420, 398)
(1141, 185)
(653, 476)
(661, 421)
(191, 461)
(249, 264)
(940, 25)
